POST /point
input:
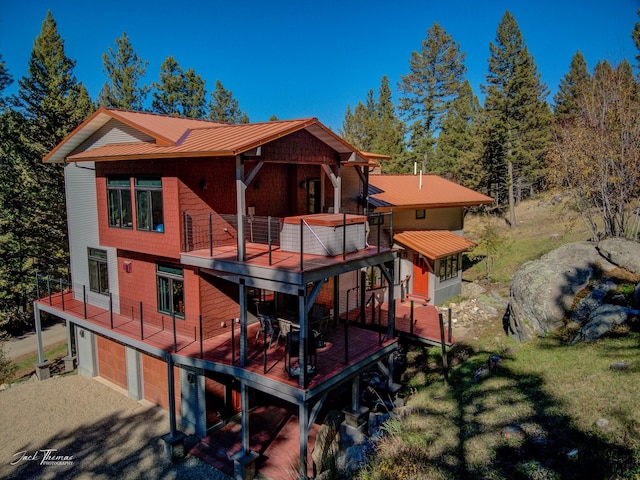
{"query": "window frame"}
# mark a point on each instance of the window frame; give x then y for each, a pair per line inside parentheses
(421, 214)
(144, 188)
(449, 267)
(117, 186)
(95, 258)
(170, 275)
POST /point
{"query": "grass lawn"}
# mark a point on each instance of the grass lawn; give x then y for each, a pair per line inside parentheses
(551, 410)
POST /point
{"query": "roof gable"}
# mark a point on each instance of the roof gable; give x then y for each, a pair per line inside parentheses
(182, 137)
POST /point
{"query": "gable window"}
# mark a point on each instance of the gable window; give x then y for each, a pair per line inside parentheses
(420, 214)
(170, 285)
(449, 267)
(98, 271)
(149, 213)
(119, 202)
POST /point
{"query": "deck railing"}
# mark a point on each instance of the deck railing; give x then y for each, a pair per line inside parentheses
(202, 231)
(119, 311)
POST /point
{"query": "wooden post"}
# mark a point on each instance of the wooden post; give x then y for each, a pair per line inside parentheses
(445, 361)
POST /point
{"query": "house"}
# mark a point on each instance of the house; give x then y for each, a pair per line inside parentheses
(427, 229)
(195, 246)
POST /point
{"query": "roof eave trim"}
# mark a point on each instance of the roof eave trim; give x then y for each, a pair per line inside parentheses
(151, 156)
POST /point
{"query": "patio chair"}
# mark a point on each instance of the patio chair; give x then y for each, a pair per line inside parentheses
(266, 327)
(284, 327)
(292, 350)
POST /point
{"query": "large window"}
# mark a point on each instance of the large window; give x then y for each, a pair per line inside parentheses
(98, 271)
(170, 290)
(449, 267)
(149, 204)
(119, 202)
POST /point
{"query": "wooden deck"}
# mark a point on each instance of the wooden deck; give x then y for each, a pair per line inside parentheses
(338, 353)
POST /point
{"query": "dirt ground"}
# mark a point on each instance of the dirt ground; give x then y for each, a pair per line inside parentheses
(101, 433)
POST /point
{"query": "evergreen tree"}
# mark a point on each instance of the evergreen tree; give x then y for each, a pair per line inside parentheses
(635, 35)
(50, 103)
(273, 118)
(571, 86)
(434, 78)
(389, 130)
(224, 108)
(358, 128)
(459, 147)
(5, 80)
(179, 92)
(124, 70)
(518, 118)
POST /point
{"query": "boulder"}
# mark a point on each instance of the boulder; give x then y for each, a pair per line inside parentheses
(602, 320)
(622, 252)
(544, 290)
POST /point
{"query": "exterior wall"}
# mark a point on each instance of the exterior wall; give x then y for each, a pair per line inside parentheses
(112, 363)
(112, 132)
(140, 286)
(193, 408)
(86, 352)
(351, 190)
(82, 221)
(439, 291)
(435, 219)
(219, 302)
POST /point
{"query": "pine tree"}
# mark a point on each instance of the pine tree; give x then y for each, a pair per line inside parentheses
(358, 128)
(519, 117)
(389, 130)
(179, 92)
(50, 103)
(224, 108)
(5, 80)
(459, 147)
(571, 86)
(635, 35)
(434, 78)
(124, 70)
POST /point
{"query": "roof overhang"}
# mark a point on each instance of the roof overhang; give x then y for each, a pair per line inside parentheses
(433, 244)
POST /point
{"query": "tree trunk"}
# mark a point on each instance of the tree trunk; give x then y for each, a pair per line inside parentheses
(512, 201)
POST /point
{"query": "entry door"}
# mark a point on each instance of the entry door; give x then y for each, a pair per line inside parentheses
(420, 275)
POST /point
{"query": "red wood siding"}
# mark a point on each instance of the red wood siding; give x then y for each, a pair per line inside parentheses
(219, 303)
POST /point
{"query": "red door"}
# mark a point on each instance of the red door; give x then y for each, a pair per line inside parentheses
(420, 275)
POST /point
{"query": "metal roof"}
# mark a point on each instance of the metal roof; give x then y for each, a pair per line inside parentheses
(433, 244)
(403, 191)
(184, 137)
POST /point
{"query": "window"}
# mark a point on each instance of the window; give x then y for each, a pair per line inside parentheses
(313, 195)
(420, 214)
(449, 267)
(98, 271)
(170, 290)
(119, 202)
(149, 204)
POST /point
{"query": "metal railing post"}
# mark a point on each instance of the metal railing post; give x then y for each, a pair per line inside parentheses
(84, 300)
(175, 338)
(49, 290)
(184, 229)
(37, 287)
(141, 323)
(449, 325)
(233, 341)
(200, 324)
(344, 236)
(210, 234)
(378, 222)
(111, 309)
(62, 294)
(269, 236)
(301, 244)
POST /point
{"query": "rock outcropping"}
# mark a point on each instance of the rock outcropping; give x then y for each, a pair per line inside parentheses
(543, 291)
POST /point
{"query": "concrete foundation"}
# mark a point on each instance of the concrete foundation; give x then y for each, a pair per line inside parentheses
(43, 370)
(174, 446)
(244, 465)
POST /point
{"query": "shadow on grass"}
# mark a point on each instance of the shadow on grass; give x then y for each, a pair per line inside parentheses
(111, 447)
(542, 443)
(505, 425)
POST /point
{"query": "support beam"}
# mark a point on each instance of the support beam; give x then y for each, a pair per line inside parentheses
(241, 188)
(336, 181)
(303, 416)
(243, 323)
(174, 440)
(43, 370)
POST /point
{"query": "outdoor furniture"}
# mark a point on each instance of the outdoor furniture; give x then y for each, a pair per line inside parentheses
(318, 319)
(267, 329)
(292, 350)
(284, 327)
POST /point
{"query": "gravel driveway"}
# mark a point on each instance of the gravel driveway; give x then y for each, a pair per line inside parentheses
(103, 434)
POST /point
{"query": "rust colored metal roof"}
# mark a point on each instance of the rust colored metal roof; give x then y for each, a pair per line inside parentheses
(184, 137)
(392, 191)
(433, 244)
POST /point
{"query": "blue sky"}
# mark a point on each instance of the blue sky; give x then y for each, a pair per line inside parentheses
(312, 59)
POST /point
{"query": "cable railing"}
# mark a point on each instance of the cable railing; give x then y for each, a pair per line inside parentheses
(136, 318)
(333, 237)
